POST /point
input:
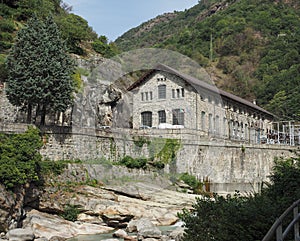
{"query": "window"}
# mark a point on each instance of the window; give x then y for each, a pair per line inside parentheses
(225, 126)
(202, 120)
(162, 92)
(177, 93)
(147, 118)
(178, 117)
(146, 96)
(162, 117)
(217, 124)
(210, 122)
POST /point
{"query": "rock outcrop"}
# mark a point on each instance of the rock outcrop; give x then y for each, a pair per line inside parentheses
(136, 205)
(49, 226)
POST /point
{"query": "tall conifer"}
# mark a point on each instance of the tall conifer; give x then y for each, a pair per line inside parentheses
(40, 69)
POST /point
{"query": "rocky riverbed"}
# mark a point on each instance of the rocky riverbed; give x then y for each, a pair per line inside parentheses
(143, 197)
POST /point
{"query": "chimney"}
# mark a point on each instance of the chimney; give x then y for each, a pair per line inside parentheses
(254, 101)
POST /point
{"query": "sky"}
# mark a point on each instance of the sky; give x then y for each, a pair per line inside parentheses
(112, 18)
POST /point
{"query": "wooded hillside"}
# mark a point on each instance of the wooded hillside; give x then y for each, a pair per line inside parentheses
(251, 48)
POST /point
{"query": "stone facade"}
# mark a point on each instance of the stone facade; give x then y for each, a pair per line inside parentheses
(168, 99)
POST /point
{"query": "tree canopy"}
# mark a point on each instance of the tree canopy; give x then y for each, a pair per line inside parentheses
(40, 70)
(235, 218)
(19, 158)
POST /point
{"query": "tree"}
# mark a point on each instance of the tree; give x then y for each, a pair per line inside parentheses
(245, 217)
(20, 158)
(40, 70)
(75, 29)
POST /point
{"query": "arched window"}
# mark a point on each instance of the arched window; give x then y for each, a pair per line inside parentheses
(162, 92)
(146, 118)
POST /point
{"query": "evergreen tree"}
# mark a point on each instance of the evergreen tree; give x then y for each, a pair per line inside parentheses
(39, 70)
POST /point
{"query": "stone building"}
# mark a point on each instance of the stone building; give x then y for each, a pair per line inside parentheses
(167, 99)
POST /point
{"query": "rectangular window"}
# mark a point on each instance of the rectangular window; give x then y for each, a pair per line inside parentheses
(210, 122)
(217, 124)
(182, 92)
(151, 96)
(178, 117)
(142, 95)
(203, 120)
(162, 117)
(146, 95)
(178, 93)
(162, 91)
(146, 118)
(173, 93)
(224, 126)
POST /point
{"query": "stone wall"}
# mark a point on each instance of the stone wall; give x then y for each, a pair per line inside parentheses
(228, 165)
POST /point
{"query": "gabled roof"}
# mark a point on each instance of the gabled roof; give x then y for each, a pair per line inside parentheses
(198, 84)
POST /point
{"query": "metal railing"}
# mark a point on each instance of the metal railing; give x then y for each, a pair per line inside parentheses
(277, 226)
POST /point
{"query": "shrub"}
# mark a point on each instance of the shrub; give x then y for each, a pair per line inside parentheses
(244, 217)
(7, 25)
(20, 157)
(71, 212)
(191, 181)
(130, 162)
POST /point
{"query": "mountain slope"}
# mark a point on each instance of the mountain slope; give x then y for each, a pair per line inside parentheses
(250, 47)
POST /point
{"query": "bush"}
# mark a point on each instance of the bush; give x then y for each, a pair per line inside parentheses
(244, 217)
(71, 212)
(191, 181)
(20, 157)
(130, 162)
(7, 25)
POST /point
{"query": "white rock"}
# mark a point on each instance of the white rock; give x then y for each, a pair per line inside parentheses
(46, 225)
(20, 234)
(120, 233)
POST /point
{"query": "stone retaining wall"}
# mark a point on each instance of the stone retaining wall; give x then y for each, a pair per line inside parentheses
(228, 165)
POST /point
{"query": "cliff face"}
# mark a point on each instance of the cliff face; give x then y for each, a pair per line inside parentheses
(12, 203)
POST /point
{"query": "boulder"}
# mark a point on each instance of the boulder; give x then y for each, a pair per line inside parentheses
(177, 234)
(149, 232)
(41, 239)
(49, 226)
(120, 233)
(20, 234)
(145, 228)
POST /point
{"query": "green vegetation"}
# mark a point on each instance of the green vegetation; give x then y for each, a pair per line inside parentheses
(168, 150)
(192, 182)
(104, 48)
(139, 141)
(21, 161)
(76, 32)
(244, 217)
(161, 151)
(20, 158)
(254, 52)
(39, 70)
(130, 162)
(71, 212)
